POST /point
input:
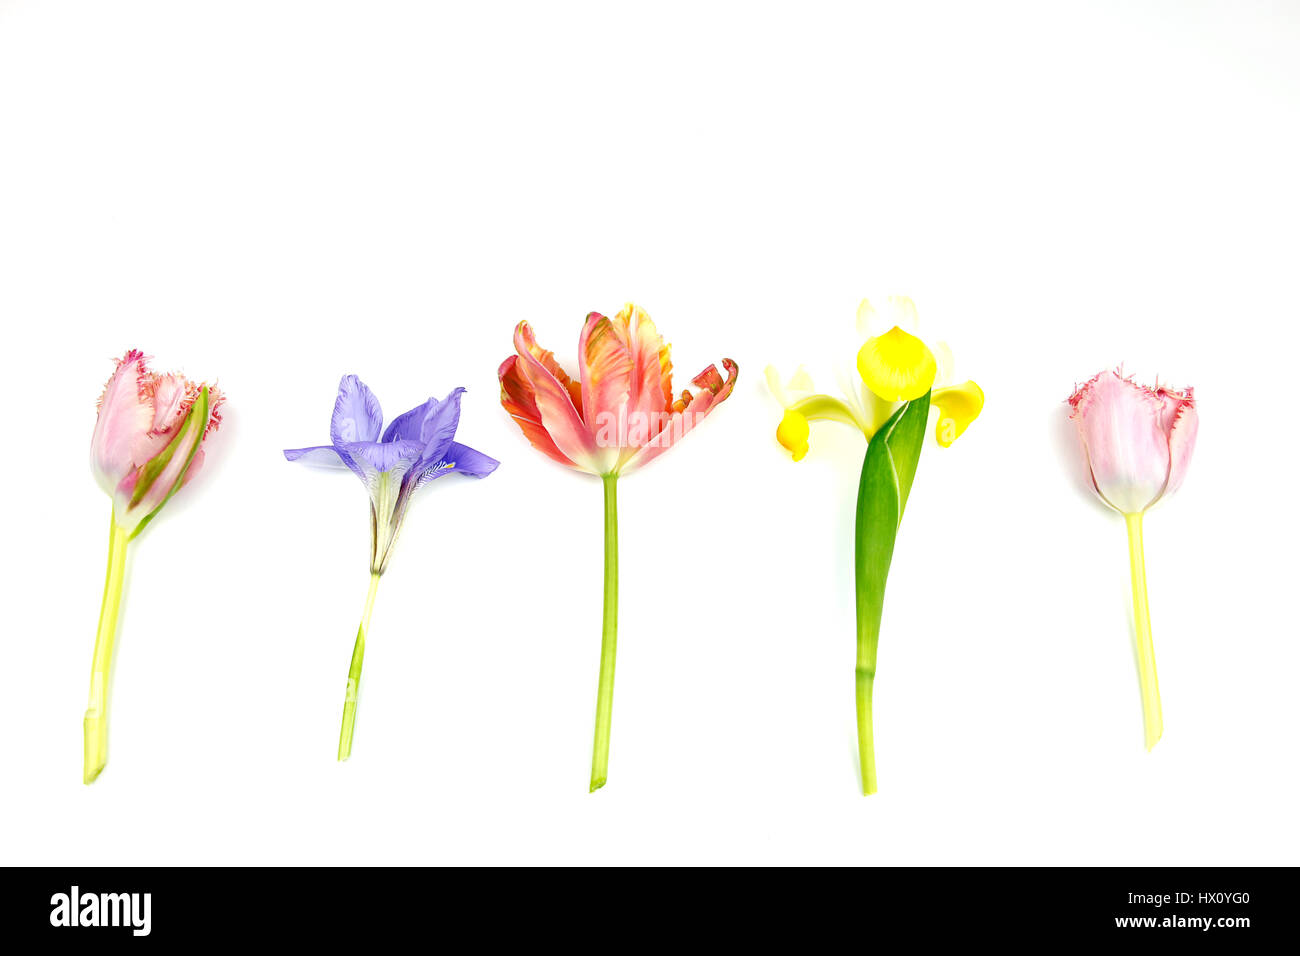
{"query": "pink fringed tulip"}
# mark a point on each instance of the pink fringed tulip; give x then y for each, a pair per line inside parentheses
(147, 438)
(617, 416)
(146, 446)
(1138, 442)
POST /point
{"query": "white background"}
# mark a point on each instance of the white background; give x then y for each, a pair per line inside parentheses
(274, 194)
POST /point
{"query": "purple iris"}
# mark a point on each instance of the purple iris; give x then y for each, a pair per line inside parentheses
(416, 448)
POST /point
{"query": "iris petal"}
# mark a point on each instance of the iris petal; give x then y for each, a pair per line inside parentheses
(407, 425)
(357, 416)
(792, 433)
(958, 407)
(467, 461)
(897, 366)
(320, 456)
(439, 427)
(384, 456)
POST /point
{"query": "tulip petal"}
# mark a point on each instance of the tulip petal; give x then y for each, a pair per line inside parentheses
(556, 410)
(517, 400)
(1124, 439)
(122, 437)
(142, 493)
(713, 391)
(548, 362)
(897, 366)
(170, 396)
(605, 367)
(1181, 422)
(652, 365)
(357, 415)
(958, 406)
(626, 380)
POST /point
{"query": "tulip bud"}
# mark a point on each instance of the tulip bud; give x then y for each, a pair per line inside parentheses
(147, 438)
(1138, 440)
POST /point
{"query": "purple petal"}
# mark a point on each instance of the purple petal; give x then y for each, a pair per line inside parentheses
(323, 456)
(406, 426)
(383, 456)
(466, 461)
(460, 459)
(357, 416)
(439, 428)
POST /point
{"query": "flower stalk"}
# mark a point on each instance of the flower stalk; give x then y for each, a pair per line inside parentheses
(95, 724)
(1152, 719)
(868, 617)
(354, 673)
(608, 639)
(866, 735)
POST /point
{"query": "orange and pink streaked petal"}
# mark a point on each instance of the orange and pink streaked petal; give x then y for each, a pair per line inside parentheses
(556, 410)
(517, 400)
(713, 391)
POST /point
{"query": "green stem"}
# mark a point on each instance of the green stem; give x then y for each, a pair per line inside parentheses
(354, 673)
(866, 739)
(1146, 654)
(95, 725)
(608, 639)
(868, 617)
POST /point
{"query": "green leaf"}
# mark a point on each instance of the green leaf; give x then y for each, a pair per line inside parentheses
(887, 474)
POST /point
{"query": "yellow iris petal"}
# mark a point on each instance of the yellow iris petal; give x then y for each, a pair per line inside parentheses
(958, 407)
(897, 366)
(792, 433)
(824, 408)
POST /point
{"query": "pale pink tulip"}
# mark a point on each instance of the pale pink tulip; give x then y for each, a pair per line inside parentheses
(1138, 440)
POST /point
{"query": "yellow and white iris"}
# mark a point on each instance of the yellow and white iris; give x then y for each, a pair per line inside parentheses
(895, 366)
